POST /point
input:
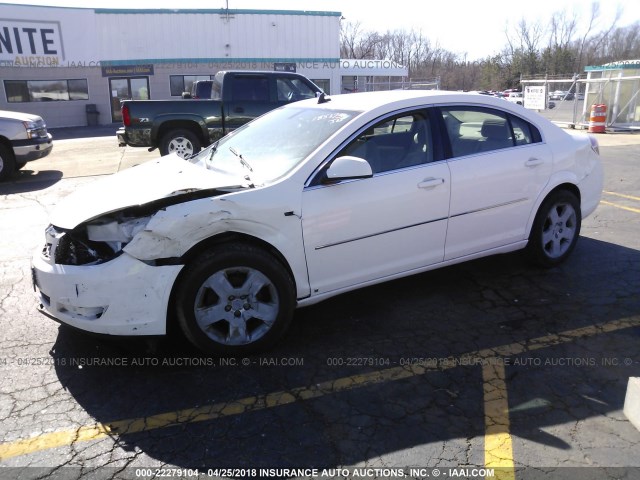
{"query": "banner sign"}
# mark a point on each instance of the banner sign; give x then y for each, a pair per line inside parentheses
(31, 43)
(127, 70)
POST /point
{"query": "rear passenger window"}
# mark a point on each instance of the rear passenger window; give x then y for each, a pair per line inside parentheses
(474, 130)
(523, 132)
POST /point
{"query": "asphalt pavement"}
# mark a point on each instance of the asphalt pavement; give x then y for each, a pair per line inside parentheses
(485, 365)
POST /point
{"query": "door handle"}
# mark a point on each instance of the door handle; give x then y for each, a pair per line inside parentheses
(238, 110)
(431, 182)
(533, 162)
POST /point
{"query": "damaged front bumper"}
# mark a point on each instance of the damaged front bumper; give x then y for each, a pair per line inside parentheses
(123, 296)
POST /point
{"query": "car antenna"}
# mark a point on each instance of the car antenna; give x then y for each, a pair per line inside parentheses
(322, 98)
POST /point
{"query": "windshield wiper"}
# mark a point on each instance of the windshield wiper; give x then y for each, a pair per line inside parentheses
(242, 160)
(244, 164)
(214, 147)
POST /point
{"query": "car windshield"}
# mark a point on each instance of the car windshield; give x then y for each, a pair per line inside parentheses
(270, 146)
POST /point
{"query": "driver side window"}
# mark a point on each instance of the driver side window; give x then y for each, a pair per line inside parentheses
(293, 90)
(398, 142)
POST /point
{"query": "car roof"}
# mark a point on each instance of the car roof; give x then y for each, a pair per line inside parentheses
(370, 105)
(366, 101)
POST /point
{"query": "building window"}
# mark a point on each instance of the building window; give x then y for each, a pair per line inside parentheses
(183, 83)
(46, 90)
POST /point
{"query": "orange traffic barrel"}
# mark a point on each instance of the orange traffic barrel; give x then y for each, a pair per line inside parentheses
(597, 118)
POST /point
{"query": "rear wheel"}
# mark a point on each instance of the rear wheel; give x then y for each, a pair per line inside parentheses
(7, 163)
(235, 300)
(182, 142)
(555, 230)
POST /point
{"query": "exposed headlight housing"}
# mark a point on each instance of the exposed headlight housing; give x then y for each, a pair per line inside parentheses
(115, 232)
(95, 242)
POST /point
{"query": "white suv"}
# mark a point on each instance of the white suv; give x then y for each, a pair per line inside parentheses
(515, 97)
(23, 137)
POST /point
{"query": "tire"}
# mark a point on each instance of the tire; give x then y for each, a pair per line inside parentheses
(235, 300)
(7, 163)
(555, 230)
(183, 142)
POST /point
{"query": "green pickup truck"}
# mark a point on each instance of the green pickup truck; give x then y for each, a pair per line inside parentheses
(186, 126)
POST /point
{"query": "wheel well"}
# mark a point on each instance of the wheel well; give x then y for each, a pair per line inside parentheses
(569, 187)
(6, 143)
(192, 126)
(213, 242)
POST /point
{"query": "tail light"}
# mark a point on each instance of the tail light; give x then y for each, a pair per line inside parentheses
(594, 144)
(126, 116)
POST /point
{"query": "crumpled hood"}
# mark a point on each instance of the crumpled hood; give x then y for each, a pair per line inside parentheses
(154, 180)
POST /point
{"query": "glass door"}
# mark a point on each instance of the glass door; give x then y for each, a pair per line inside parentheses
(131, 88)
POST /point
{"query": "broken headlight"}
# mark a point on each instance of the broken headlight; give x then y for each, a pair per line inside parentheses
(115, 232)
(97, 241)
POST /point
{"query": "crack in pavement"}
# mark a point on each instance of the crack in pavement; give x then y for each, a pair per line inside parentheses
(299, 394)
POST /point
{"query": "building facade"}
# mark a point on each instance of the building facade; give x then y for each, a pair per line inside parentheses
(73, 66)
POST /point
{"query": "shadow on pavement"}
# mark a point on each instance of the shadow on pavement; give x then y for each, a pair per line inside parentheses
(66, 133)
(26, 180)
(449, 312)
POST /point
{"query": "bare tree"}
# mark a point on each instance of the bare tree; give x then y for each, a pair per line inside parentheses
(555, 47)
(354, 43)
(595, 42)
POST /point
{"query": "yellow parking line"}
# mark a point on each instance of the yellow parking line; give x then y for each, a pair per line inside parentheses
(630, 197)
(205, 413)
(630, 209)
(496, 407)
(498, 450)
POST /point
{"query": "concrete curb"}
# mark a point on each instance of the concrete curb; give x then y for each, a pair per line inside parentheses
(632, 401)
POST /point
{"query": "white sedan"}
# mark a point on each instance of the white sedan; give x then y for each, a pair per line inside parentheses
(310, 201)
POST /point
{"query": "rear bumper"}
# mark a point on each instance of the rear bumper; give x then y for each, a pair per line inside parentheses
(134, 138)
(122, 137)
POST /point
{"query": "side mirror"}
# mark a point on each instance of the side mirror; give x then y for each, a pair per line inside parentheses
(347, 168)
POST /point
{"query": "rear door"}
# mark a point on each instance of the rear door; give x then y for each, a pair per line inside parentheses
(499, 165)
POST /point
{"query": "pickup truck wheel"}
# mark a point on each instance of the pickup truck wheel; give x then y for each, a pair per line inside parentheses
(235, 300)
(7, 163)
(182, 142)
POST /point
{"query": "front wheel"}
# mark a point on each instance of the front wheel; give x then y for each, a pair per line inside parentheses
(235, 300)
(555, 230)
(182, 142)
(7, 163)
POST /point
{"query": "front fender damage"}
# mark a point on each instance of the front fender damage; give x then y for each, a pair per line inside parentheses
(146, 231)
(170, 235)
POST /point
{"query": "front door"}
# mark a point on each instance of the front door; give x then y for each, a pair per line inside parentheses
(130, 88)
(364, 230)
